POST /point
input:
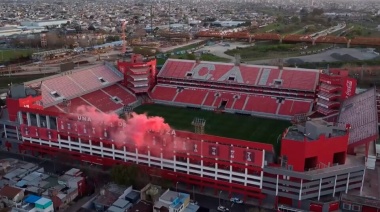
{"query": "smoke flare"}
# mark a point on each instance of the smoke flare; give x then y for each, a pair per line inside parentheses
(133, 129)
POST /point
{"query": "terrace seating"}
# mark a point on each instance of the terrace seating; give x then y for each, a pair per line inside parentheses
(64, 86)
(249, 74)
(240, 102)
(261, 104)
(304, 81)
(72, 85)
(291, 107)
(106, 74)
(360, 112)
(191, 96)
(210, 98)
(124, 95)
(164, 93)
(75, 103)
(225, 99)
(86, 80)
(102, 101)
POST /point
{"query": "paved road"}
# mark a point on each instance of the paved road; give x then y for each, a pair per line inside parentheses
(210, 202)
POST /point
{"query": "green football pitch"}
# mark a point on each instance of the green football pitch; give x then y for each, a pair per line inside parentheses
(221, 124)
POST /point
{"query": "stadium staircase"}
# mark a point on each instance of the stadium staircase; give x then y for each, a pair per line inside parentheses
(328, 98)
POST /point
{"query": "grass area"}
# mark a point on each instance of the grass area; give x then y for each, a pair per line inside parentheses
(269, 28)
(188, 47)
(9, 54)
(359, 30)
(204, 57)
(225, 124)
(271, 50)
(5, 80)
(264, 50)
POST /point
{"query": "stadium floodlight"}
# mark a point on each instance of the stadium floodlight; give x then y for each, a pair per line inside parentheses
(199, 125)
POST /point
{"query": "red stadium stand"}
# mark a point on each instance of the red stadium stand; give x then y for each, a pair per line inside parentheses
(191, 96)
(74, 84)
(123, 94)
(361, 113)
(102, 101)
(240, 102)
(261, 104)
(224, 100)
(291, 107)
(106, 74)
(234, 88)
(305, 81)
(164, 93)
(210, 99)
(250, 74)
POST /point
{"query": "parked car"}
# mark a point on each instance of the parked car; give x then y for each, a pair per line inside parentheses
(223, 209)
(236, 200)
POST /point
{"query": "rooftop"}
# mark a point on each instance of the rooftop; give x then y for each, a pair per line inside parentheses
(360, 111)
(313, 129)
(142, 206)
(9, 191)
(172, 199)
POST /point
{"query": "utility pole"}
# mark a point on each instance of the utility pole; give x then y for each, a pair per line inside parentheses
(151, 18)
(219, 197)
(169, 14)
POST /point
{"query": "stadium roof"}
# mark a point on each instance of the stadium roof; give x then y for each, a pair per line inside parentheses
(263, 76)
(360, 111)
(69, 85)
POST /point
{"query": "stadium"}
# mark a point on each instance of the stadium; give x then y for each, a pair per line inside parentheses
(285, 136)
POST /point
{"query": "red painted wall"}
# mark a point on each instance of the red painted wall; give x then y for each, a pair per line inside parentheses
(14, 105)
(137, 61)
(323, 149)
(340, 78)
(315, 207)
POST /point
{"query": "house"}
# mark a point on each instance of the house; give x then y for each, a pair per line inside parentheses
(11, 196)
(33, 203)
(172, 201)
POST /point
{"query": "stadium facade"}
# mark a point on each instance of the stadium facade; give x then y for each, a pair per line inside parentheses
(310, 170)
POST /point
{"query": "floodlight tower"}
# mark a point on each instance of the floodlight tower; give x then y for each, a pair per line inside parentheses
(199, 125)
(128, 110)
(124, 37)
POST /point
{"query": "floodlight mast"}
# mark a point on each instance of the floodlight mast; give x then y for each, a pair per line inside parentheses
(124, 37)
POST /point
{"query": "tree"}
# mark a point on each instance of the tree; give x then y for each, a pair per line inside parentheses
(124, 175)
(294, 19)
(53, 40)
(2, 102)
(317, 12)
(91, 28)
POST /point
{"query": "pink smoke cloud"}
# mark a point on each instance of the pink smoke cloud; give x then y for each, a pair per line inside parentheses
(133, 129)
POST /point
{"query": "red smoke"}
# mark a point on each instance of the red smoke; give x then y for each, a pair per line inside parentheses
(133, 129)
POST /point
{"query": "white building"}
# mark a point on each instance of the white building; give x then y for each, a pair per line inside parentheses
(8, 31)
(44, 23)
(174, 202)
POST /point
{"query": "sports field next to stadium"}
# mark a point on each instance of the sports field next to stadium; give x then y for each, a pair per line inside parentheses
(221, 124)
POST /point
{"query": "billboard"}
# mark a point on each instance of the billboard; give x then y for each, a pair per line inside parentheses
(348, 88)
(66, 66)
